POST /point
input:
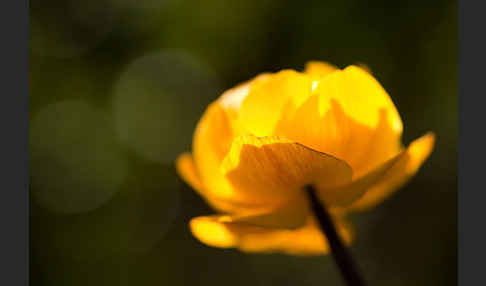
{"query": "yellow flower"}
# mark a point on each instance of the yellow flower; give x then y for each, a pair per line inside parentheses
(262, 142)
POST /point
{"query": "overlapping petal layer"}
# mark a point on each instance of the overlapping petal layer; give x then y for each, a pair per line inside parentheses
(362, 130)
(274, 170)
(408, 164)
(212, 140)
(257, 147)
(187, 170)
(220, 231)
(262, 108)
(316, 70)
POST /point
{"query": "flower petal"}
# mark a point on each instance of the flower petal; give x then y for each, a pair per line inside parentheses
(318, 69)
(325, 132)
(275, 170)
(383, 143)
(212, 141)
(289, 216)
(209, 230)
(347, 194)
(216, 231)
(348, 116)
(398, 174)
(361, 96)
(369, 123)
(231, 99)
(265, 102)
(187, 170)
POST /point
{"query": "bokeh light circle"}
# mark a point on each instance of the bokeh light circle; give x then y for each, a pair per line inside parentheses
(158, 101)
(76, 163)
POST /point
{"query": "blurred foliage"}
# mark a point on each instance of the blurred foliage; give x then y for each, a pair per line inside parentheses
(117, 87)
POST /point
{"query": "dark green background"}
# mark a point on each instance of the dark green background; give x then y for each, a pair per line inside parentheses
(117, 87)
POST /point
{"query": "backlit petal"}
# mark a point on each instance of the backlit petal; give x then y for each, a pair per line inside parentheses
(231, 99)
(216, 231)
(361, 96)
(187, 170)
(265, 102)
(318, 69)
(400, 173)
(368, 117)
(288, 216)
(348, 116)
(275, 170)
(347, 194)
(212, 141)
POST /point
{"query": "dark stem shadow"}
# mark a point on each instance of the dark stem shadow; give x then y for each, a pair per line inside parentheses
(341, 255)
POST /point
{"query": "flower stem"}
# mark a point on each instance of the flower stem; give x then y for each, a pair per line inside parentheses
(341, 255)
